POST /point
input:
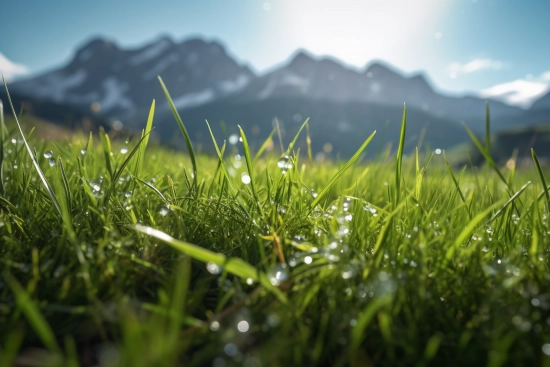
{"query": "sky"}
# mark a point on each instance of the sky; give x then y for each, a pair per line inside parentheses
(493, 48)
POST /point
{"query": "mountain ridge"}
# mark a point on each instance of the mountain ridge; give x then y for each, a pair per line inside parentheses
(117, 83)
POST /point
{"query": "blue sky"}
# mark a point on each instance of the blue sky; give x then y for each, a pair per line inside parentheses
(497, 48)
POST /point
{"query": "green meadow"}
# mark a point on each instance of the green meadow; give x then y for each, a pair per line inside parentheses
(125, 253)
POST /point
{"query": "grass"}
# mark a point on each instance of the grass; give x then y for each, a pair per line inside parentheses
(118, 253)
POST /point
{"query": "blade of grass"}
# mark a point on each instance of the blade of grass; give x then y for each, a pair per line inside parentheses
(308, 143)
(51, 193)
(264, 145)
(188, 143)
(467, 231)
(250, 168)
(118, 172)
(541, 175)
(32, 313)
(488, 158)
(107, 151)
(398, 169)
(455, 181)
(325, 190)
(235, 266)
(145, 133)
(510, 201)
(293, 142)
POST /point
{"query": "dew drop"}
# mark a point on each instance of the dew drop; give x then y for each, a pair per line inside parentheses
(285, 164)
(124, 150)
(245, 178)
(278, 274)
(48, 154)
(164, 211)
(243, 326)
(51, 162)
(213, 268)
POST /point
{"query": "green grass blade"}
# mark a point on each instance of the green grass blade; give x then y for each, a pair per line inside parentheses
(32, 313)
(148, 127)
(66, 186)
(535, 236)
(358, 332)
(118, 172)
(455, 181)
(398, 170)
(51, 193)
(467, 231)
(235, 266)
(250, 168)
(220, 156)
(487, 156)
(308, 143)
(295, 139)
(264, 145)
(541, 175)
(325, 190)
(188, 143)
(148, 185)
(107, 150)
(510, 201)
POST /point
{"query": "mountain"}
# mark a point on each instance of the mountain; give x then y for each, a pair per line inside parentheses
(542, 103)
(325, 79)
(344, 104)
(118, 83)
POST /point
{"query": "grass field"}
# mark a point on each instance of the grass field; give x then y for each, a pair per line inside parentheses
(124, 254)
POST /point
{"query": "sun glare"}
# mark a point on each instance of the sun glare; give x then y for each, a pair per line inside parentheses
(357, 31)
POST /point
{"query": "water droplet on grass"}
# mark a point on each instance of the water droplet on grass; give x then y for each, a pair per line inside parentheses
(245, 178)
(164, 211)
(213, 268)
(371, 209)
(83, 151)
(214, 326)
(278, 274)
(48, 154)
(285, 164)
(243, 326)
(51, 162)
(233, 139)
(124, 150)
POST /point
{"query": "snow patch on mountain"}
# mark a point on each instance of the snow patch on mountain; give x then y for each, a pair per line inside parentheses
(55, 85)
(115, 95)
(294, 80)
(161, 66)
(231, 86)
(269, 88)
(151, 52)
(194, 99)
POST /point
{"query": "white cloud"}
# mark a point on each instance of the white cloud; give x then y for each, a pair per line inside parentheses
(475, 65)
(520, 92)
(10, 69)
(545, 77)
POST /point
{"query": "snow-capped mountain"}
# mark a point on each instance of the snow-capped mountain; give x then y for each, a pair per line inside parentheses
(117, 83)
(326, 79)
(113, 83)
